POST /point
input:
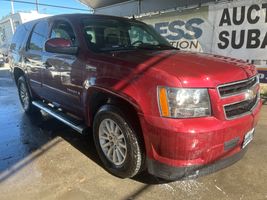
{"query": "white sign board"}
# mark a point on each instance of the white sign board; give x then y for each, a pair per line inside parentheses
(236, 29)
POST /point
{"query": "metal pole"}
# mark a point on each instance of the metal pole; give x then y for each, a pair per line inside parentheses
(36, 3)
(12, 7)
(12, 25)
(139, 7)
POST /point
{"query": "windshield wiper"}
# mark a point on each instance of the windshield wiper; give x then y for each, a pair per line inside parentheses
(167, 46)
(153, 47)
(145, 46)
(118, 48)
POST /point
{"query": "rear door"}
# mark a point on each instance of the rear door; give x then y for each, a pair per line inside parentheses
(33, 58)
(63, 74)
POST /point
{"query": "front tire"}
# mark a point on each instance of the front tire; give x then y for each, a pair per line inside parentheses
(117, 143)
(25, 97)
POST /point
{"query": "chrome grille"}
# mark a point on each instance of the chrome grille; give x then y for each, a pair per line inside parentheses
(240, 108)
(231, 89)
(248, 88)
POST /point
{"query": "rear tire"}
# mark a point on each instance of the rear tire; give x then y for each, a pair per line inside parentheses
(117, 143)
(25, 97)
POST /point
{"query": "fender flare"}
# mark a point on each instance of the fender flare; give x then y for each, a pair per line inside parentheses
(110, 96)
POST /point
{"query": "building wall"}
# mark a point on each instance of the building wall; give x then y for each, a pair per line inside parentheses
(6, 31)
(137, 7)
(122, 9)
(25, 17)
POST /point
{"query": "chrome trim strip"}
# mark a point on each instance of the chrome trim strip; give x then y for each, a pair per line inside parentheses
(234, 83)
(52, 88)
(37, 82)
(79, 128)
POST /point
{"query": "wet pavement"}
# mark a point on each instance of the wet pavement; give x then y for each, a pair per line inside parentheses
(40, 158)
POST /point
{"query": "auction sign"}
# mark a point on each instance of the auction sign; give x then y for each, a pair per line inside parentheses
(236, 29)
(240, 31)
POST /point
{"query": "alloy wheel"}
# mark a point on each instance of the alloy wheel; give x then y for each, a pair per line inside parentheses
(24, 96)
(112, 142)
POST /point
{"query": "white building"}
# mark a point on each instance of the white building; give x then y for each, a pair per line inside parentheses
(9, 23)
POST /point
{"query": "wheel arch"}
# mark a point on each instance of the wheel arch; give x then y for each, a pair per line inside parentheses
(97, 97)
(18, 72)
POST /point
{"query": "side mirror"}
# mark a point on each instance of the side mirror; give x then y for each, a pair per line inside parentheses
(60, 45)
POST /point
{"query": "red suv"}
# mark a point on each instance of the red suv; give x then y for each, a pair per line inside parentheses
(150, 105)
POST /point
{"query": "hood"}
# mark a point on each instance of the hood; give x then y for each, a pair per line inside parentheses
(192, 69)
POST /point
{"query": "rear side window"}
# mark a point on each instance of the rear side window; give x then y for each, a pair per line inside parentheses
(39, 36)
(18, 38)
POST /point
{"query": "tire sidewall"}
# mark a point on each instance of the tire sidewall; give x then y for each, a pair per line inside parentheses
(22, 81)
(130, 165)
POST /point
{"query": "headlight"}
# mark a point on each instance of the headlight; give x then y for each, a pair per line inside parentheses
(183, 102)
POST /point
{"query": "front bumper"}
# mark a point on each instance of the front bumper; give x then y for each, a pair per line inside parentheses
(177, 147)
(177, 173)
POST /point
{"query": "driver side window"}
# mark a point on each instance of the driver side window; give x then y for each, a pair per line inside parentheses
(62, 29)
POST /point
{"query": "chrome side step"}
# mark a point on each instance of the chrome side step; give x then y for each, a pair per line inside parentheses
(66, 119)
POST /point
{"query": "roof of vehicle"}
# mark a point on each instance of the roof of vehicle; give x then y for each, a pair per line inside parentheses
(78, 16)
(93, 16)
(82, 15)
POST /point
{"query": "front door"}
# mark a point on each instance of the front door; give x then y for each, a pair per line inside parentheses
(63, 74)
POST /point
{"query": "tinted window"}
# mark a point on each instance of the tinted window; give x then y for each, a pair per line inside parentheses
(138, 34)
(18, 38)
(39, 36)
(62, 29)
(113, 35)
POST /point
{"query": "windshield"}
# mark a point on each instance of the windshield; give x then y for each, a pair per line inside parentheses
(114, 35)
